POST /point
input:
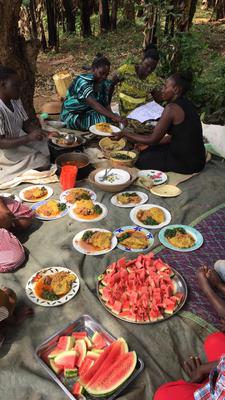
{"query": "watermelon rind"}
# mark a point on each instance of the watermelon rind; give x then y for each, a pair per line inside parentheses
(114, 376)
(55, 367)
(70, 373)
(55, 353)
(66, 343)
(66, 359)
(98, 340)
(81, 348)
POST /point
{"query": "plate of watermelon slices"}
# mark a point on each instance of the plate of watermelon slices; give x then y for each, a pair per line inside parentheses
(144, 290)
(87, 362)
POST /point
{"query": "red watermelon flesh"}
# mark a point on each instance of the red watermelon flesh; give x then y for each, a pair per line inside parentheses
(81, 349)
(93, 355)
(79, 335)
(54, 353)
(86, 365)
(114, 376)
(99, 340)
(55, 367)
(77, 389)
(66, 359)
(66, 343)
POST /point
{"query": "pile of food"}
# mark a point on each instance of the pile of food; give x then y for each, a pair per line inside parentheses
(141, 290)
(180, 238)
(133, 239)
(108, 144)
(151, 216)
(50, 209)
(96, 240)
(91, 364)
(74, 195)
(122, 156)
(36, 193)
(86, 209)
(53, 286)
(128, 197)
(104, 127)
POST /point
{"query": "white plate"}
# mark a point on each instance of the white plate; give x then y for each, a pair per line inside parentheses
(11, 195)
(148, 235)
(47, 303)
(36, 205)
(66, 192)
(134, 211)
(143, 196)
(99, 218)
(49, 189)
(94, 130)
(166, 191)
(189, 229)
(79, 235)
(158, 177)
(115, 177)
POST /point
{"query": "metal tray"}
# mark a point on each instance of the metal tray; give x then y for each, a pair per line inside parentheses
(181, 287)
(87, 323)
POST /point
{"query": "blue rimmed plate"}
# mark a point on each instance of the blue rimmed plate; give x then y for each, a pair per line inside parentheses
(192, 231)
(123, 229)
(40, 203)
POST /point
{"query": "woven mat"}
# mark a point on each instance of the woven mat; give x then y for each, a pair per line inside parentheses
(212, 227)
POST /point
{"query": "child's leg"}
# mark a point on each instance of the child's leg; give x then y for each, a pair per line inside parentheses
(178, 390)
(219, 267)
(214, 346)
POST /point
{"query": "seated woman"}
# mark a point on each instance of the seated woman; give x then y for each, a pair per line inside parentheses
(14, 217)
(138, 83)
(20, 148)
(9, 314)
(201, 386)
(87, 100)
(176, 143)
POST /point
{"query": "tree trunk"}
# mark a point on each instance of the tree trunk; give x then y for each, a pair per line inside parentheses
(219, 9)
(85, 18)
(17, 53)
(104, 16)
(192, 11)
(129, 10)
(114, 15)
(70, 15)
(150, 26)
(33, 19)
(52, 23)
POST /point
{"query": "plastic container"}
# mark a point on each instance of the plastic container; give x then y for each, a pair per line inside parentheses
(62, 82)
(68, 176)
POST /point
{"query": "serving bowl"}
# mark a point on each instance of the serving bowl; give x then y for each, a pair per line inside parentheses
(113, 188)
(121, 159)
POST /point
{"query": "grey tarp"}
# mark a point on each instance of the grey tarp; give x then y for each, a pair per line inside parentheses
(162, 346)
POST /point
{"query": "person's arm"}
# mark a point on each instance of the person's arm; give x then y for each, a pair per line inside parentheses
(31, 125)
(115, 80)
(102, 110)
(159, 132)
(196, 371)
(216, 301)
(6, 216)
(16, 142)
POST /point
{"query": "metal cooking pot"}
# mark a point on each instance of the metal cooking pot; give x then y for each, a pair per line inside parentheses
(75, 159)
(56, 151)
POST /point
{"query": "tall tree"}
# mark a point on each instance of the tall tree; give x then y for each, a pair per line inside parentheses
(104, 16)
(18, 53)
(219, 9)
(51, 8)
(70, 15)
(85, 13)
(114, 9)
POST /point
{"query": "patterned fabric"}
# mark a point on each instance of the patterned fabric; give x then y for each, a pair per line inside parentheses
(213, 230)
(134, 91)
(75, 111)
(215, 388)
(11, 122)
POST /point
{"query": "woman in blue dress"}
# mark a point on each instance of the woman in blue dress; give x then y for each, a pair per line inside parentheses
(87, 100)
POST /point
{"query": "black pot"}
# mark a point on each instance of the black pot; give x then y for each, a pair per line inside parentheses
(56, 151)
(75, 159)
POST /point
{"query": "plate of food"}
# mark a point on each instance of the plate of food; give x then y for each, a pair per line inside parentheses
(88, 210)
(104, 129)
(35, 193)
(157, 177)
(10, 196)
(135, 297)
(181, 238)
(94, 241)
(129, 199)
(133, 238)
(150, 216)
(70, 196)
(113, 176)
(49, 210)
(51, 287)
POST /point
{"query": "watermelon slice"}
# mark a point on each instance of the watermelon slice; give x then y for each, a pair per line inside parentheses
(99, 340)
(66, 343)
(114, 376)
(66, 359)
(55, 353)
(93, 355)
(77, 389)
(57, 369)
(70, 373)
(86, 365)
(79, 335)
(88, 342)
(81, 348)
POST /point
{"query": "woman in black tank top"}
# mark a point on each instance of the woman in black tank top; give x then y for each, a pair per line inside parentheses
(176, 143)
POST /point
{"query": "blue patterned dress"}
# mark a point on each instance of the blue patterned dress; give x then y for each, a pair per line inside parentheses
(75, 111)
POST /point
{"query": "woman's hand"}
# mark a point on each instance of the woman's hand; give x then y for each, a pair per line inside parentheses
(35, 135)
(53, 134)
(193, 368)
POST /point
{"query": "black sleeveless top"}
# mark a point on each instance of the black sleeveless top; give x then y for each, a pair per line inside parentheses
(186, 146)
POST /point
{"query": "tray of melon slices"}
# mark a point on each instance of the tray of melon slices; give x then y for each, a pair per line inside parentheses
(87, 362)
